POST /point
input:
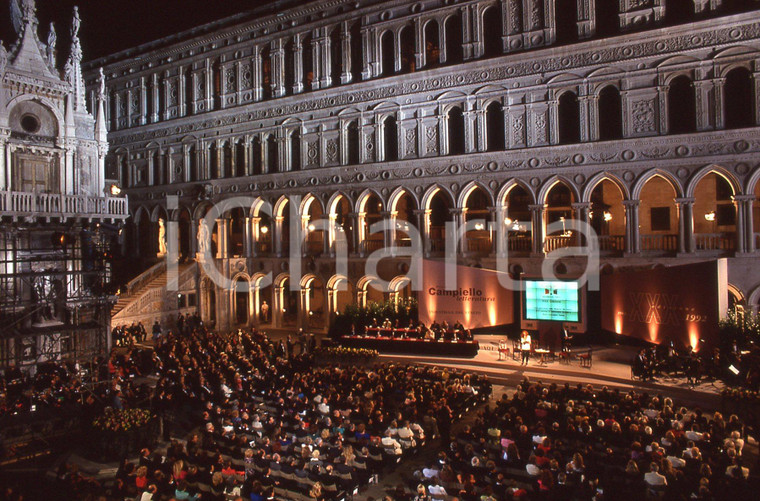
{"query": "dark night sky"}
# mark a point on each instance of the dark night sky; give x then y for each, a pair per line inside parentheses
(109, 26)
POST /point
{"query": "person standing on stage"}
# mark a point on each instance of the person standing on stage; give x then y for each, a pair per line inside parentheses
(525, 343)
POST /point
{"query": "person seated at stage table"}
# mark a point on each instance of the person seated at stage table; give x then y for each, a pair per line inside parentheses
(435, 327)
(387, 324)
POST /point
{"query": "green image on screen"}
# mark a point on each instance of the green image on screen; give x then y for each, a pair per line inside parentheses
(549, 300)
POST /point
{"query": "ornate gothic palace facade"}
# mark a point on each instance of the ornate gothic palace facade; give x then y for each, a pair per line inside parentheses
(55, 214)
(639, 117)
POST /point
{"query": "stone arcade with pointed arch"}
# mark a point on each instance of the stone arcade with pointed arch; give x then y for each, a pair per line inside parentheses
(507, 114)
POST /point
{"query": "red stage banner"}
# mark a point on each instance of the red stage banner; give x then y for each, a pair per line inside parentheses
(681, 303)
(479, 300)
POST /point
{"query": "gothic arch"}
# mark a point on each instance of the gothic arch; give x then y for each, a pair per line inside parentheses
(157, 213)
(432, 191)
(332, 203)
(465, 193)
(754, 298)
(716, 169)
(307, 280)
(752, 181)
(140, 213)
(258, 205)
(551, 182)
(175, 214)
(594, 181)
(397, 194)
(280, 205)
(503, 195)
(362, 199)
(201, 209)
(306, 203)
(667, 176)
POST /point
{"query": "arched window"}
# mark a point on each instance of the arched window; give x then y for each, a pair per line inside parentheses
(607, 21)
(390, 138)
(454, 52)
(494, 127)
(227, 160)
(569, 119)
(388, 53)
(739, 104)
(295, 150)
(213, 157)
(492, 31)
(407, 49)
(432, 44)
(256, 153)
(240, 162)
(308, 62)
(266, 71)
(272, 163)
(357, 59)
(610, 114)
(157, 170)
(336, 53)
(455, 121)
(290, 62)
(353, 143)
(566, 16)
(682, 113)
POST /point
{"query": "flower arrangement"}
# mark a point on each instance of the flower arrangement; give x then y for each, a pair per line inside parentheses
(122, 420)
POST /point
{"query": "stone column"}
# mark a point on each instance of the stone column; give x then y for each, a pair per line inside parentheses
(255, 234)
(662, 102)
(389, 236)
(500, 230)
(256, 74)
(181, 92)
(278, 68)
(580, 214)
(719, 102)
(278, 301)
(247, 237)
(423, 226)
(537, 229)
(222, 238)
(143, 102)
(632, 237)
(459, 216)
(303, 309)
(745, 231)
(345, 52)
(5, 161)
(685, 225)
(298, 85)
(277, 235)
(355, 237)
(702, 102)
(208, 75)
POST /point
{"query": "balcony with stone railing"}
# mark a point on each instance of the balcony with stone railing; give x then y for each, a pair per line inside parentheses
(19, 204)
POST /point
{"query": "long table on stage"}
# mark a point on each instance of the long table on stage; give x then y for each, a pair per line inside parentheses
(413, 346)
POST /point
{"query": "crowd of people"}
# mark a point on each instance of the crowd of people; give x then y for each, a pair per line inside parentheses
(265, 420)
(272, 422)
(559, 442)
